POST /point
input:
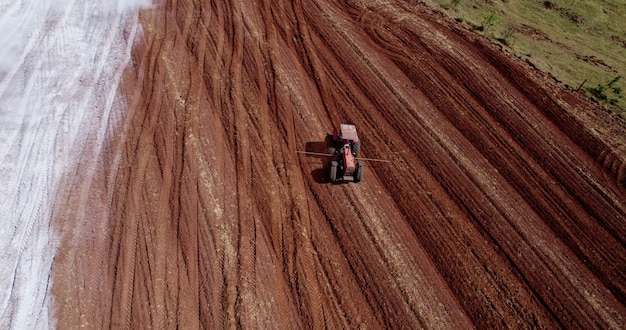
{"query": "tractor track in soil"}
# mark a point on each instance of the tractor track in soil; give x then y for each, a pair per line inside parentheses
(503, 205)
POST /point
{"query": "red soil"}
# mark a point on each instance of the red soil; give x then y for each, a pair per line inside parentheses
(503, 205)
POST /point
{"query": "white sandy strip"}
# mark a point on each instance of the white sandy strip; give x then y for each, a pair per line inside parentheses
(60, 65)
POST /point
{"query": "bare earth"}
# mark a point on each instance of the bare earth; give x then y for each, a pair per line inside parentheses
(504, 204)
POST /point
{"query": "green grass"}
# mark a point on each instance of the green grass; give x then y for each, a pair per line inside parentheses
(576, 41)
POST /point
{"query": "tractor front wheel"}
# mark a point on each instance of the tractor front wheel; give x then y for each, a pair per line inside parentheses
(330, 144)
(356, 147)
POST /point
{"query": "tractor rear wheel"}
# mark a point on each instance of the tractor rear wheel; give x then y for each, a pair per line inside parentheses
(333, 171)
(358, 175)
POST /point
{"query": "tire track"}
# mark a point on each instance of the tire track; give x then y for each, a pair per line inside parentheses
(219, 223)
(568, 218)
(464, 198)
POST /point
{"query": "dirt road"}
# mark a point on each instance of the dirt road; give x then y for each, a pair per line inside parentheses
(503, 205)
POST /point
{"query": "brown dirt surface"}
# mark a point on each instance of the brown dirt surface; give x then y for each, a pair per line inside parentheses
(503, 205)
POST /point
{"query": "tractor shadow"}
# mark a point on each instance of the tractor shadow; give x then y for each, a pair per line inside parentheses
(320, 175)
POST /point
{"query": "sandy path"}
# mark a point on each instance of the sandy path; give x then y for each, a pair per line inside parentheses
(61, 65)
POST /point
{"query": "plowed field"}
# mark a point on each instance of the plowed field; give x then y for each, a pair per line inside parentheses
(503, 204)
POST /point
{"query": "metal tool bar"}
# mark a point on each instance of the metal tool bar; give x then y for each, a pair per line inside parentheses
(331, 155)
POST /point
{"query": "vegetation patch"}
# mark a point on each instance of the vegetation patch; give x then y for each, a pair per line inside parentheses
(610, 92)
(581, 43)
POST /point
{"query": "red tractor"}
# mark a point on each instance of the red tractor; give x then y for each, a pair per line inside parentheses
(344, 147)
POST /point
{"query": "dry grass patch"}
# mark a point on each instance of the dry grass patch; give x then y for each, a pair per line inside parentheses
(578, 42)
